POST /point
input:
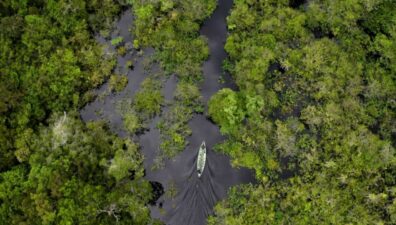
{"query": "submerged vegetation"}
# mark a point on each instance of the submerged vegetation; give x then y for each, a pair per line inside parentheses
(148, 99)
(315, 113)
(147, 102)
(173, 126)
(171, 27)
(117, 83)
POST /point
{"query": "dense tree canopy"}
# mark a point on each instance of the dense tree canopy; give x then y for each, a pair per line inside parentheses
(54, 168)
(172, 28)
(76, 174)
(319, 79)
(314, 113)
(48, 60)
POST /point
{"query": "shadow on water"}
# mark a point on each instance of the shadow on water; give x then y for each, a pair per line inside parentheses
(187, 199)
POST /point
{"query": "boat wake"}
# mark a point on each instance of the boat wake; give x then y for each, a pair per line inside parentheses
(181, 196)
(198, 195)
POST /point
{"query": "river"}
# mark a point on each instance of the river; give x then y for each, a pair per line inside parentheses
(194, 197)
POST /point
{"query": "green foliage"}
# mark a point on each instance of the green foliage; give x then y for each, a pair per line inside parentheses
(226, 109)
(12, 190)
(136, 44)
(174, 125)
(117, 83)
(138, 111)
(171, 27)
(313, 112)
(132, 122)
(78, 174)
(49, 60)
(68, 172)
(188, 95)
(124, 161)
(121, 51)
(174, 130)
(117, 41)
(148, 99)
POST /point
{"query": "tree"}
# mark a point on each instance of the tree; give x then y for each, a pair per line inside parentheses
(226, 108)
(315, 85)
(78, 174)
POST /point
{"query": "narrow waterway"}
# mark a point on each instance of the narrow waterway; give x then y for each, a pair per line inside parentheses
(187, 199)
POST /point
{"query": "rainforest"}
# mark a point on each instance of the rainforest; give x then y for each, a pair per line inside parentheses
(104, 106)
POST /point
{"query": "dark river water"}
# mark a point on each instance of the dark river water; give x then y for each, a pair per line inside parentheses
(193, 198)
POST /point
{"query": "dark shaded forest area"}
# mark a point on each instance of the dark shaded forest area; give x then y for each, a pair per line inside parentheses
(314, 114)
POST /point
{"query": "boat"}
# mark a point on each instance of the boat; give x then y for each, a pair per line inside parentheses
(201, 160)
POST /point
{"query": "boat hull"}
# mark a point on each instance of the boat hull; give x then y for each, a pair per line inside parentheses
(201, 160)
